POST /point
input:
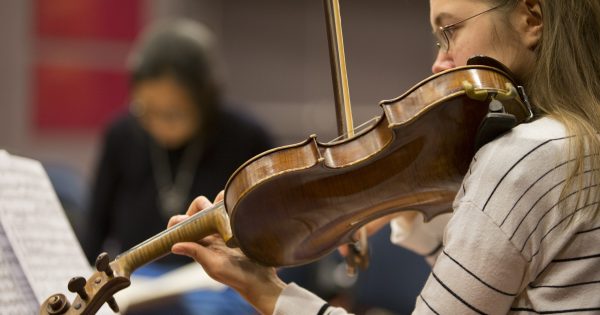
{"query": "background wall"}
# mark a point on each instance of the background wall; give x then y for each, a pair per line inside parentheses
(277, 66)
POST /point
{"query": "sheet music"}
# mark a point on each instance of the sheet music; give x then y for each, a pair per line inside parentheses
(17, 297)
(37, 228)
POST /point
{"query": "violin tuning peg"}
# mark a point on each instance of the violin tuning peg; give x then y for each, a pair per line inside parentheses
(77, 285)
(57, 304)
(103, 264)
(113, 304)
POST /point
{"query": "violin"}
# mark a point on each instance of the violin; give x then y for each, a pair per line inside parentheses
(294, 204)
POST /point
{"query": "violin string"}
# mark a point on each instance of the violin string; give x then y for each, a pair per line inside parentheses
(182, 224)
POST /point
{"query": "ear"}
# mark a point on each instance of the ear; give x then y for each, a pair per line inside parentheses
(530, 22)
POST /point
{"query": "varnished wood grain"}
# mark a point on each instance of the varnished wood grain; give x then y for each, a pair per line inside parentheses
(295, 204)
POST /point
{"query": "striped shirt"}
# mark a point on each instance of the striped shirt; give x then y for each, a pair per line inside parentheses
(511, 246)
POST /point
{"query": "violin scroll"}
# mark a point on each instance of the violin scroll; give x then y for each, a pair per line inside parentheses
(91, 293)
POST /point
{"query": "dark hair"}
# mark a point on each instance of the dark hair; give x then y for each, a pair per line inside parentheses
(181, 48)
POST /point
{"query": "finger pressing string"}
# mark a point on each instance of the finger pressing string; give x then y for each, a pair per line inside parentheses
(177, 219)
(199, 204)
(220, 196)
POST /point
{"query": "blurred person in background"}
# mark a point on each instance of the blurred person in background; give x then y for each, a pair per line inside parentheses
(178, 141)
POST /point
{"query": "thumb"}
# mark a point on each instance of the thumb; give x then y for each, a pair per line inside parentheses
(193, 250)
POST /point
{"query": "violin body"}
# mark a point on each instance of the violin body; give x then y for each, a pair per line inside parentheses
(294, 204)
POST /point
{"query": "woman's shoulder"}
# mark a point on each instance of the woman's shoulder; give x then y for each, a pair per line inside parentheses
(516, 183)
(238, 123)
(531, 154)
(123, 135)
(541, 142)
(124, 125)
(541, 131)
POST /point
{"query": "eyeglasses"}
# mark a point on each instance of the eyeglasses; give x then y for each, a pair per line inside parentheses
(445, 33)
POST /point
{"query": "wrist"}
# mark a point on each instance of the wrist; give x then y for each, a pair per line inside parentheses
(264, 293)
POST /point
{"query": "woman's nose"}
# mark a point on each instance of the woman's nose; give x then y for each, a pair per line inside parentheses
(442, 62)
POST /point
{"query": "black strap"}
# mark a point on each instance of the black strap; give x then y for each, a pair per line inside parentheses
(323, 309)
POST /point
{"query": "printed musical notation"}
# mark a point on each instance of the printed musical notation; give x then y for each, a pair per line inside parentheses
(40, 252)
(17, 297)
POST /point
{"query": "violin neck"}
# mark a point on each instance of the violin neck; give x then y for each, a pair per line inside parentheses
(206, 222)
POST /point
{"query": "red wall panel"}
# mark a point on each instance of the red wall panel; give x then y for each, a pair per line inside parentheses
(72, 93)
(76, 98)
(88, 19)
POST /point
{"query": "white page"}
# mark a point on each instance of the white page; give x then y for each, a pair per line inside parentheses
(37, 228)
(16, 296)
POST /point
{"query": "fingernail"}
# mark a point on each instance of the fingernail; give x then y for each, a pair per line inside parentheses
(178, 250)
(180, 218)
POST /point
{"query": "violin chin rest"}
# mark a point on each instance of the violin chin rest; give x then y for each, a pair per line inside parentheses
(481, 60)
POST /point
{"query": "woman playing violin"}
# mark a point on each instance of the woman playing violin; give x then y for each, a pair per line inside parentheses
(525, 228)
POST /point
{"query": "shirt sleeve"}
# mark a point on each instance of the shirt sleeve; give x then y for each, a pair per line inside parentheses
(295, 300)
(423, 238)
(479, 271)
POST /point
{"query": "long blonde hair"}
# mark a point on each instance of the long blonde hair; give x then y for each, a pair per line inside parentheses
(565, 84)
